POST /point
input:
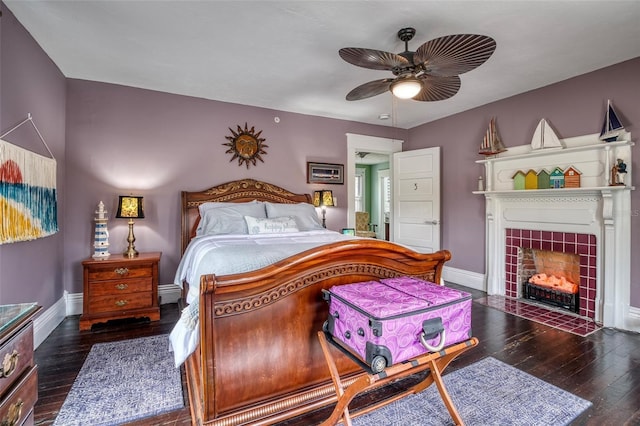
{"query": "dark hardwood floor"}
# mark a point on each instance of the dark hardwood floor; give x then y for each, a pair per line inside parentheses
(603, 367)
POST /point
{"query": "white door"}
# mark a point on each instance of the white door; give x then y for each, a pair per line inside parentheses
(416, 199)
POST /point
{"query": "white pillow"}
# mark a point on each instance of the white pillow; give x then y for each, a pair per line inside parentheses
(305, 214)
(274, 225)
(228, 218)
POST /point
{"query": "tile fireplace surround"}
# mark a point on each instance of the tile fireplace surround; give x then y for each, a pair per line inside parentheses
(592, 221)
(566, 242)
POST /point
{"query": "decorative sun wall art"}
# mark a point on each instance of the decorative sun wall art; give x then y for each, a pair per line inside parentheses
(246, 145)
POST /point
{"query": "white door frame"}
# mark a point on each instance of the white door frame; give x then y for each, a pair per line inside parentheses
(381, 189)
(376, 144)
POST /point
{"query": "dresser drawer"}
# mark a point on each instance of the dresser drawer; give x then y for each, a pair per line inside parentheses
(16, 356)
(123, 302)
(17, 406)
(118, 272)
(118, 287)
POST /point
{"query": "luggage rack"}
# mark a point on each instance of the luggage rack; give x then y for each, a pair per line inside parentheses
(436, 362)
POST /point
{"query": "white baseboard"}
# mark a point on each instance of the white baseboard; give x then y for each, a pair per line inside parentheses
(74, 304)
(633, 319)
(469, 279)
(169, 293)
(47, 321)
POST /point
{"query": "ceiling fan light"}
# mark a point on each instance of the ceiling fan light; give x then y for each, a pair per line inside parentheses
(406, 88)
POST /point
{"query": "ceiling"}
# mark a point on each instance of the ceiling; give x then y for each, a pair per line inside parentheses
(284, 54)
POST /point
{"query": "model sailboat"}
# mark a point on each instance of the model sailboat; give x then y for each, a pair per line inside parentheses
(492, 144)
(544, 137)
(611, 128)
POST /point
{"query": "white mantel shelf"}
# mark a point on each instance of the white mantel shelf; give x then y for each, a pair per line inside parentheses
(561, 192)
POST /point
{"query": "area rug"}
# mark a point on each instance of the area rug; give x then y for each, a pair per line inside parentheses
(488, 392)
(123, 381)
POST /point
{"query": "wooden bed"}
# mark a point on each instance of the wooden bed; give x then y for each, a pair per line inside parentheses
(259, 360)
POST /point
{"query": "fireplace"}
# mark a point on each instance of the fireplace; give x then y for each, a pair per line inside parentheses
(591, 222)
(567, 256)
(550, 277)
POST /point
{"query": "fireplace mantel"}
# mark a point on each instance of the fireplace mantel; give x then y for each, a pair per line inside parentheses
(596, 208)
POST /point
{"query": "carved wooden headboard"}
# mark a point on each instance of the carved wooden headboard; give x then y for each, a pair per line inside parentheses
(238, 191)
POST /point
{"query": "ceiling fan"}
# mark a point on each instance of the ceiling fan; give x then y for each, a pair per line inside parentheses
(428, 74)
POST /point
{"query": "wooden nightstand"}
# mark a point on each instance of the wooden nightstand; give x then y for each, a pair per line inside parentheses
(120, 287)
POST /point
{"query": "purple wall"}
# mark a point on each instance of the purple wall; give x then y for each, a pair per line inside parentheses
(573, 107)
(30, 83)
(122, 140)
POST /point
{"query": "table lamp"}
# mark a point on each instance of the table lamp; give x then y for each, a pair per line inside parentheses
(130, 207)
(323, 199)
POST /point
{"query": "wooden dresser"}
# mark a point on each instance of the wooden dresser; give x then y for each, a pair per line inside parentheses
(120, 287)
(18, 371)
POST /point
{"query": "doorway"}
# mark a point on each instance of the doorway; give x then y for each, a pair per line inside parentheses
(378, 150)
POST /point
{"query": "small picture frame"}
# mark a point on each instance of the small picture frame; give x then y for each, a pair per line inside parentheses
(349, 231)
(325, 173)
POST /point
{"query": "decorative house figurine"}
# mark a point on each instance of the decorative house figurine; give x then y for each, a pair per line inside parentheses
(544, 181)
(556, 178)
(101, 234)
(518, 180)
(492, 144)
(572, 178)
(611, 127)
(531, 180)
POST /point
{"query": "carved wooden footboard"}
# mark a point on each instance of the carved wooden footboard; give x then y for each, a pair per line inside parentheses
(260, 358)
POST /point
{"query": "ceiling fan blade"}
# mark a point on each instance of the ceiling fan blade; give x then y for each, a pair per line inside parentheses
(454, 54)
(437, 88)
(369, 89)
(372, 59)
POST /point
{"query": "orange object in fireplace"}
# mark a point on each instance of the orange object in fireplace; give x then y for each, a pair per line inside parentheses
(554, 283)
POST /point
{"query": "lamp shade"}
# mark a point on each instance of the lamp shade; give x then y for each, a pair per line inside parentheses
(130, 207)
(323, 198)
(406, 88)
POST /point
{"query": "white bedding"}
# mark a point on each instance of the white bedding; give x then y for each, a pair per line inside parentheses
(231, 254)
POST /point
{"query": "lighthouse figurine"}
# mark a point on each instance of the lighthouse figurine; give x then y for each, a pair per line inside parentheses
(101, 236)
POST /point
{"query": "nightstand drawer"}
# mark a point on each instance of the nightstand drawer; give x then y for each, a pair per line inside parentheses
(16, 356)
(122, 302)
(118, 287)
(119, 272)
(18, 405)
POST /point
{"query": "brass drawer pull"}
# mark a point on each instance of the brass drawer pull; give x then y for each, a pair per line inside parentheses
(121, 303)
(9, 363)
(122, 286)
(121, 271)
(14, 414)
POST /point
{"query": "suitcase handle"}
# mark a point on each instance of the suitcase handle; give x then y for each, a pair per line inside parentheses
(436, 348)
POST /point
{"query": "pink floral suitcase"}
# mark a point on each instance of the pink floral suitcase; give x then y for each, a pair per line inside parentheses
(396, 319)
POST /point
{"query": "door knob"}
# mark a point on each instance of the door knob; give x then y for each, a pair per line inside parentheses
(433, 222)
